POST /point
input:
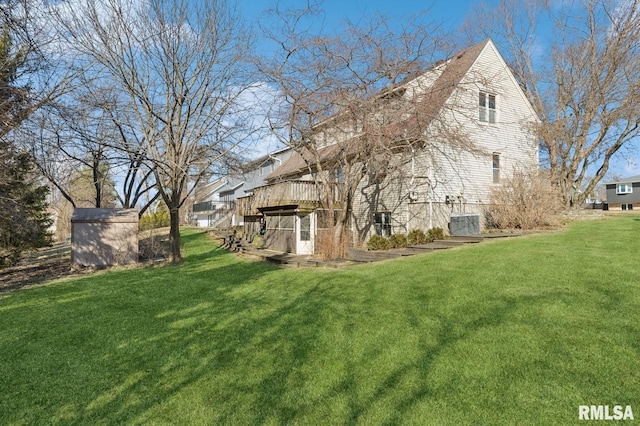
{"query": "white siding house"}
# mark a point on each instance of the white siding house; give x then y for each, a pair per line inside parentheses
(494, 112)
(474, 91)
(215, 202)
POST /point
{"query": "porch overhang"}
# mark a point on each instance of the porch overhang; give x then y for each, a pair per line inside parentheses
(286, 209)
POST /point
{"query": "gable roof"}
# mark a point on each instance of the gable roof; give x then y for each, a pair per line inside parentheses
(210, 188)
(630, 179)
(453, 70)
(258, 162)
(230, 187)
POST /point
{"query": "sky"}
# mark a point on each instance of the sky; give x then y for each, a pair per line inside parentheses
(450, 13)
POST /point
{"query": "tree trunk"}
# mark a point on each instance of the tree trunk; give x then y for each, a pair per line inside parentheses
(175, 256)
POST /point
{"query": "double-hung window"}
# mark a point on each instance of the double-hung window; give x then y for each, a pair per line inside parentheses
(496, 167)
(382, 223)
(487, 107)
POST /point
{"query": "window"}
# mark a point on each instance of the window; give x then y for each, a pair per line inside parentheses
(487, 107)
(305, 227)
(624, 188)
(280, 222)
(496, 168)
(382, 224)
(627, 207)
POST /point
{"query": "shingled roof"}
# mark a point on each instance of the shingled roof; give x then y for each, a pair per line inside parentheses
(454, 69)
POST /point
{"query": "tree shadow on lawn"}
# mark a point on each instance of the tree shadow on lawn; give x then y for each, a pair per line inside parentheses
(245, 357)
(227, 329)
(243, 342)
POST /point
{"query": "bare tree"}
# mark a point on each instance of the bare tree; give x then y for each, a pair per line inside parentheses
(181, 66)
(92, 130)
(582, 76)
(37, 75)
(355, 104)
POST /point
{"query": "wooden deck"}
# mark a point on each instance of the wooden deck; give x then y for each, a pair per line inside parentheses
(304, 194)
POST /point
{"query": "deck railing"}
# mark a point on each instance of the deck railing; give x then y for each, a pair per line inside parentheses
(208, 206)
(294, 192)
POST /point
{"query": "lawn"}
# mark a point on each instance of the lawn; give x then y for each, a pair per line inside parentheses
(515, 331)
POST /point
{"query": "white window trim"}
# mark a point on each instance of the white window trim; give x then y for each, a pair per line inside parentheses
(496, 177)
(624, 188)
(486, 109)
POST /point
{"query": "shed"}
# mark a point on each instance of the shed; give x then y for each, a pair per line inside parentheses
(104, 237)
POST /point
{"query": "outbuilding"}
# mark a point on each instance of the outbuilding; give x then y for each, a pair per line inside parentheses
(104, 237)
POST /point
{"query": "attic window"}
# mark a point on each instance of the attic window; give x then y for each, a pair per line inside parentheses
(486, 107)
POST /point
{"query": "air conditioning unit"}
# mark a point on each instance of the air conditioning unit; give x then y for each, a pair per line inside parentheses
(464, 224)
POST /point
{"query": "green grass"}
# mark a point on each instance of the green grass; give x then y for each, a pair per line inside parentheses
(516, 331)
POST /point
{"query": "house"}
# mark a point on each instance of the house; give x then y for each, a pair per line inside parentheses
(623, 194)
(209, 209)
(215, 202)
(420, 180)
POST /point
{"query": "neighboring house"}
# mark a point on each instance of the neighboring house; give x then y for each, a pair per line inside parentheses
(624, 194)
(492, 110)
(215, 202)
(209, 210)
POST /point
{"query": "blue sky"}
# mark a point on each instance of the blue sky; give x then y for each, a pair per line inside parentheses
(450, 13)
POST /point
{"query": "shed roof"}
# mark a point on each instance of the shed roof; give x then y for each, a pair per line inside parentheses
(86, 215)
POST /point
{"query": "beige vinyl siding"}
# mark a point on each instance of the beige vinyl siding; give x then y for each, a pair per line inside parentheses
(466, 177)
(471, 174)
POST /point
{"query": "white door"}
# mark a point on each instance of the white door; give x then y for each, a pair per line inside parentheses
(305, 233)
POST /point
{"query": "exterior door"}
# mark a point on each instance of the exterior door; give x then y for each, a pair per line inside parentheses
(305, 233)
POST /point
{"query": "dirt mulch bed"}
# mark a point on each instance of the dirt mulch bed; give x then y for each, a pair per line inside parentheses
(50, 263)
(37, 268)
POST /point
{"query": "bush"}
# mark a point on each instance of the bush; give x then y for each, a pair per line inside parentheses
(416, 237)
(435, 234)
(257, 242)
(329, 247)
(378, 242)
(159, 219)
(524, 200)
(398, 241)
